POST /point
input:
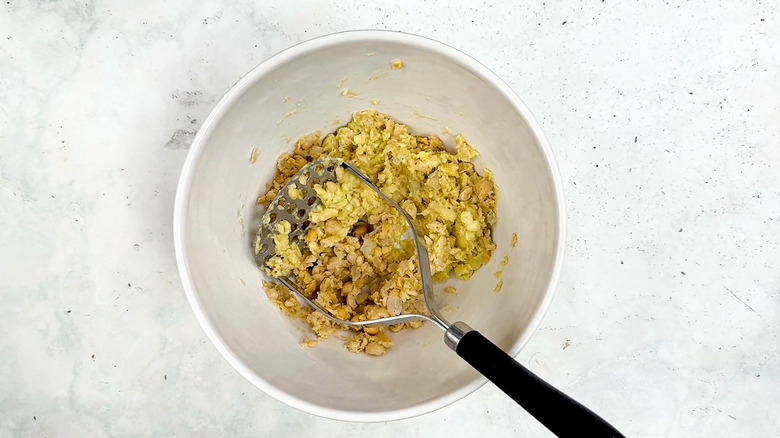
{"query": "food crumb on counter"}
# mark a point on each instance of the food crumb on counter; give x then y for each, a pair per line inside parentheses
(396, 64)
(514, 240)
(499, 286)
(254, 155)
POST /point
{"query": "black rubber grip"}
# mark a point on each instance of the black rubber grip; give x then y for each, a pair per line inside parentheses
(564, 416)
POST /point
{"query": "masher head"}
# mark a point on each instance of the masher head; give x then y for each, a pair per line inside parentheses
(294, 202)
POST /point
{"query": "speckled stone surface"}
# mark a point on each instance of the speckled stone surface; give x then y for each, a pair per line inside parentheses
(664, 119)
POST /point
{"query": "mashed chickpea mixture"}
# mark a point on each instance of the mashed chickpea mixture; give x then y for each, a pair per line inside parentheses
(354, 263)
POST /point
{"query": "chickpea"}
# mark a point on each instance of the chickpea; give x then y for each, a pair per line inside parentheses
(375, 349)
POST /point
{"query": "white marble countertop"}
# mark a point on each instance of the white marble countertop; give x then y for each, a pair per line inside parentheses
(665, 119)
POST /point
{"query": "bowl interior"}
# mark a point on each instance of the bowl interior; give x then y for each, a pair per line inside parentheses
(437, 91)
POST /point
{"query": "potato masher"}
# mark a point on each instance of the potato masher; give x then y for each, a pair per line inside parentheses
(558, 412)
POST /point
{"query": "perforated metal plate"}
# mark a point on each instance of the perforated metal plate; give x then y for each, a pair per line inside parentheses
(295, 211)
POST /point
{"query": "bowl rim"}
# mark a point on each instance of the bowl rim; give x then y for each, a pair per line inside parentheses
(236, 91)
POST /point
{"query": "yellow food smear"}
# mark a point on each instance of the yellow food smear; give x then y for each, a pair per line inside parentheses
(497, 274)
(422, 116)
(505, 261)
(254, 155)
(450, 290)
(396, 64)
(349, 93)
(448, 309)
(498, 287)
(374, 101)
(290, 113)
(514, 240)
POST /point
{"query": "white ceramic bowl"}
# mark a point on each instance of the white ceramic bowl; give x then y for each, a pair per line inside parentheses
(300, 90)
